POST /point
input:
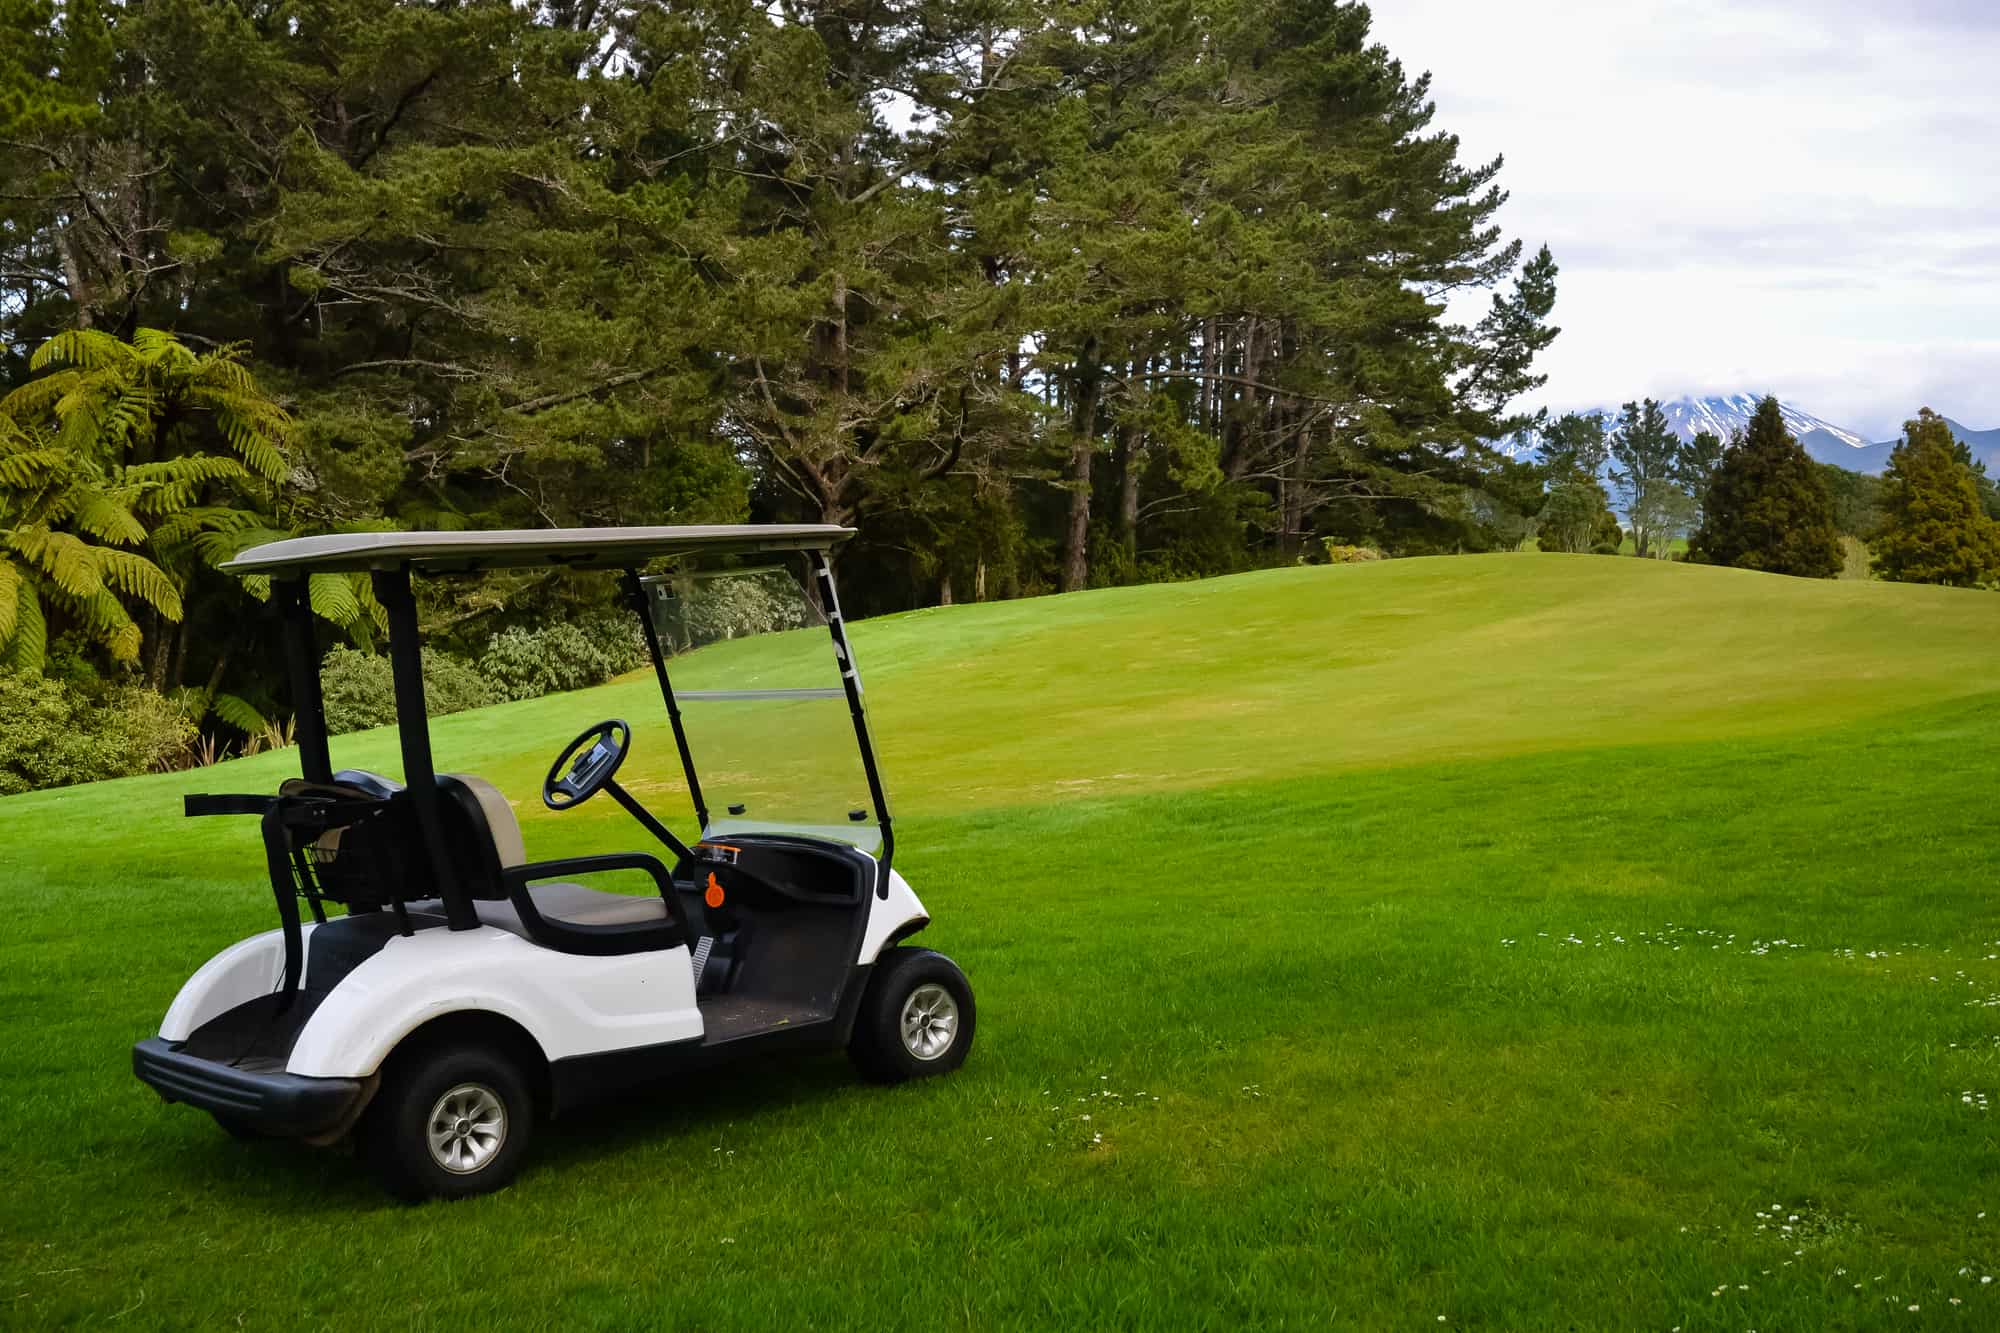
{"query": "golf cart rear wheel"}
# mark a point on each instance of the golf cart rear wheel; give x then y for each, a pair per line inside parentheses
(916, 1018)
(450, 1120)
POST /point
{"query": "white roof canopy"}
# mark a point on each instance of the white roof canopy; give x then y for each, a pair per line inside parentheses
(566, 548)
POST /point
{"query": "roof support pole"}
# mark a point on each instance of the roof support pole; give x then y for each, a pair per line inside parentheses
(302, 663)
(850, 680)
(635, 594)
(406, 662)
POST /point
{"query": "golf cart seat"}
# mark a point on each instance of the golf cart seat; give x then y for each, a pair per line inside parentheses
(486, 847)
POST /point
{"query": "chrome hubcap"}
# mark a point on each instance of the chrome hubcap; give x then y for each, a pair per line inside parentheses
(466, 1128)
(930, 1021)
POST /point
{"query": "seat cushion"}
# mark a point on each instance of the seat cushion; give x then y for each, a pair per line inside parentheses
(572, 904)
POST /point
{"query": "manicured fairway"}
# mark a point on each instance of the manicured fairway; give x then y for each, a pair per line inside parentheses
(1524, 941)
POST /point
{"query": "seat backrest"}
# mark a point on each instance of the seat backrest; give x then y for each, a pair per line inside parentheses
(482, 837)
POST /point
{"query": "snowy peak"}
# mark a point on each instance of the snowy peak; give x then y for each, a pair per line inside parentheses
(1723, 415)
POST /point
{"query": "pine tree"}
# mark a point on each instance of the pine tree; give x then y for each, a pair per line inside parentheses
(1934, 528)
(1766, 507)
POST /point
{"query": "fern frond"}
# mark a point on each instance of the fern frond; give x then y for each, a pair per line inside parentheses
(11, 579)
(249, 438)
(258, 586)
(91, 349)
(238, 713)
(333, 599)
(63, 558)
(28, 646)
(102, 517)
(30, 468)
(34, 400)
(191, 469)
(138, 577)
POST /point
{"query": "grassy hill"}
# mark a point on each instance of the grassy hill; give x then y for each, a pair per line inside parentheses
(1495, 938)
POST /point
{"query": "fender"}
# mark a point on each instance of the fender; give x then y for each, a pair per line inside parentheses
(894, 917)
(242, 972)
(571, 1005)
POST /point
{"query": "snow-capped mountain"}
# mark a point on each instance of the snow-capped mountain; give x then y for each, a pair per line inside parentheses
(1723, 415)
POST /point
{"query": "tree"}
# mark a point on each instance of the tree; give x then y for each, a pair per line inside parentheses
(1695, 470)
(1647, 468)
(1766, 507)
(1573, 446)
(1575, 518)
(1934, 528)
(128, 470)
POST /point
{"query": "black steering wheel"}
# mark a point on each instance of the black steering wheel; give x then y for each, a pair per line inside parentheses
(591, 769)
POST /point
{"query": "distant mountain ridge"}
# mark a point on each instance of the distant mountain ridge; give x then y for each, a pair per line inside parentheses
(1724, 414)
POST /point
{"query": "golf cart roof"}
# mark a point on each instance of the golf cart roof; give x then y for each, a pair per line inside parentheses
(570, 548)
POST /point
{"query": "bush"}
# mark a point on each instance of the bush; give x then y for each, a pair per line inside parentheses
(1337, 554)
(528, 663)
(53, 734)
(733, 607)
(360, 689)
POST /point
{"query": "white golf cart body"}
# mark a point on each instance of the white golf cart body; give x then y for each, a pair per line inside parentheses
(761, 937)
(570, 1005)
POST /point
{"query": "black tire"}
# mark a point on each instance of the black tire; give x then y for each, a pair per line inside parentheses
(394, 1136)
(877, 1046)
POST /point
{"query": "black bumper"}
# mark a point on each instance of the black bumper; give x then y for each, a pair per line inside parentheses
(279, 1104)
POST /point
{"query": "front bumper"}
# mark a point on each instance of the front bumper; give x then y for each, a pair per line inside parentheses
(272, 1102)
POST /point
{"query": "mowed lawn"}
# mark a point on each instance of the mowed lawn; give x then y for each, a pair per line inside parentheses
(1515, 942)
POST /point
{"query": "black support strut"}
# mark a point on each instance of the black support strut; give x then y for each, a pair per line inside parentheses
(635, 593)
(850, 680)
(406, 662)
(302, 662)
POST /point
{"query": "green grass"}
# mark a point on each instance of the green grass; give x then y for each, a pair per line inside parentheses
(1489, 938)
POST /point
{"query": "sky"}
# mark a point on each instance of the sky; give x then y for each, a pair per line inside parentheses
(1799, 197)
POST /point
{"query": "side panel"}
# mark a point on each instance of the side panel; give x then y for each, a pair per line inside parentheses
(571, 1005)
(887, 917)
(238, 974)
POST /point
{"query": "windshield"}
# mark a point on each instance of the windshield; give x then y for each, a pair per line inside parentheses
(761, 701)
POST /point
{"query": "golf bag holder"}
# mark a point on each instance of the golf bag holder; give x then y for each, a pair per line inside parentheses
(326, 844)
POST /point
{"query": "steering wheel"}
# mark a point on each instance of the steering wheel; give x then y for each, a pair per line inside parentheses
(589, 770)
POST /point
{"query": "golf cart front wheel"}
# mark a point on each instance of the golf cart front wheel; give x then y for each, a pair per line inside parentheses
(916, 1018)
(448, 1122)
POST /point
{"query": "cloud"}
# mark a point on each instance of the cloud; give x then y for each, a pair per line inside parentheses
(1787, 194)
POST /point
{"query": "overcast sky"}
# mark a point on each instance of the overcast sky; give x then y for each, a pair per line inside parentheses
(1793, 196)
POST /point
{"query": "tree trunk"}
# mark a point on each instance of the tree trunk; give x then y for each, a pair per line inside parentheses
(1130, 465)
(979, 581)
(944, 589)
(1076, 541)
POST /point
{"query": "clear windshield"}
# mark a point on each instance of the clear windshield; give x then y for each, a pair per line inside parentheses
(761, 699)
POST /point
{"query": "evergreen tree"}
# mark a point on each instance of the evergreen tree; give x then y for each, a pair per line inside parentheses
(1766, 507)
(1574, 446)
(1934, 528)
(1695, 470)
(1646, 469)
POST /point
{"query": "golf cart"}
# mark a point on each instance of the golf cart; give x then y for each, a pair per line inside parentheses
(463, 991)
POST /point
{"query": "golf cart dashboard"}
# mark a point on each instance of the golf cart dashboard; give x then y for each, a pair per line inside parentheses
(770, 870)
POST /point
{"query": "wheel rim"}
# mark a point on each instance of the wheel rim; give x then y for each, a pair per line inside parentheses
(466, 1128)
(930, 1021)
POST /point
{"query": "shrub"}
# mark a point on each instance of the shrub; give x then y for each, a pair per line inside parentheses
(53, 734)
(360, 688)
(1337, 554)
(524, 663)
(731, 608)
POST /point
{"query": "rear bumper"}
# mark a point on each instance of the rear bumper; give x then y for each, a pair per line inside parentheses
(276, 1103)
